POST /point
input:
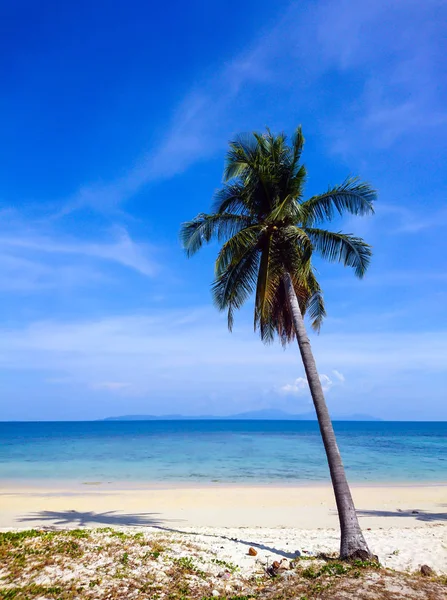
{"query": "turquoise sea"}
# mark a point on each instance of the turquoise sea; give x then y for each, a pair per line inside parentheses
(226, 451)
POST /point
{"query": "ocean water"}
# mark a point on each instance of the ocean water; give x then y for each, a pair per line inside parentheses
(226, 451)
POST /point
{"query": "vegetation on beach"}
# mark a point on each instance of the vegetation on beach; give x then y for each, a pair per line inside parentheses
(40, 564)
(269, 235)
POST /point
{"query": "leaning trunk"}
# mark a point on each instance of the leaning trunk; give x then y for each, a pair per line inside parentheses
(353, 544)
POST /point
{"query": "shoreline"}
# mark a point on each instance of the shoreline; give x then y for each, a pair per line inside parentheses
(84, 485)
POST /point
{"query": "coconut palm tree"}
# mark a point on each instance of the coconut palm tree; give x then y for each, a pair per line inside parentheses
(269, 235)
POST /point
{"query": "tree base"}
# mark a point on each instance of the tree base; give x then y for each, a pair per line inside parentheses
(363, 555)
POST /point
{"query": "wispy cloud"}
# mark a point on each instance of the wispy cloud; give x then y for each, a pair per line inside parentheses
(32, 257)
(391, 49)
(401, 219)
(339, 376)
(121, 249)
(19, 274)
(174, 349)
(395, 51)
(199, 127)
(185, 361)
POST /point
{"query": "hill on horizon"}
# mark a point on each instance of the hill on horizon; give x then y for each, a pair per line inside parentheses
(254, 415)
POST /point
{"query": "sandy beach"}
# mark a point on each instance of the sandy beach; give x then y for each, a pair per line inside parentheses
(405, 525)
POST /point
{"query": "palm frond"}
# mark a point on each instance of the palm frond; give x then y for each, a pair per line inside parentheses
(299, 247)
(352, 196)
(234, 285)
(316, 311)
(297, 148)
(287, 210)
(242, 154)
(281, 321)
(296, 182)
(341, 247)
(236, 247)
(274, 323)
(204, 227)
(262, 282)
(232, 198)
(315, 308)
(269, 277)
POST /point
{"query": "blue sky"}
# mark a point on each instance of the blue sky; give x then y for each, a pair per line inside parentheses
(114, 119)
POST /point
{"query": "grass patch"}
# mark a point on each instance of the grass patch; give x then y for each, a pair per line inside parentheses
(228, 597)
(154, 554)
(187, 565)
(68, 547)
(335, 568)
(229, 566)
(30, 591)
(113, 565)
(114, 533)
(16, 538)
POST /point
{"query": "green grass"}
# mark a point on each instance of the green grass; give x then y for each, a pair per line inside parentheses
(68, 547)
(335, 568)
(228, 597)
(26, 555)
(227, 565)
(186, 564)
(154, 554)
(30, 591)
(17, 537)
(114, 533)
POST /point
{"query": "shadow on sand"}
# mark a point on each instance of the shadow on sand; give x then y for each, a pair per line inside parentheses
(112, 518)
(419, 515)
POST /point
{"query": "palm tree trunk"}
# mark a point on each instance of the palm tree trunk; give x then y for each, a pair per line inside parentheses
(353, 544)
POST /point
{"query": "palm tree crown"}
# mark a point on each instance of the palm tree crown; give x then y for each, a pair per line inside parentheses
(269, 230)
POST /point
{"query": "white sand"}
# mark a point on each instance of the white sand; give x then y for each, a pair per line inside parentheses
(405, 525)
(400, 549)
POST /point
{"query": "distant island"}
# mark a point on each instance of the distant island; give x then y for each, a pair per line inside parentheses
(254, 415)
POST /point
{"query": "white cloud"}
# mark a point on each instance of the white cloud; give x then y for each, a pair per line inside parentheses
(339, 375)
(326, 382)
(300, 386)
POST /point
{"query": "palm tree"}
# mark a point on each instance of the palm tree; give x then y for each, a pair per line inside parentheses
(269, 234)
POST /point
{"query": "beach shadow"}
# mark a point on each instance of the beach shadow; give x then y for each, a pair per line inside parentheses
(113, 518)
(419, 515)
(289, 555)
